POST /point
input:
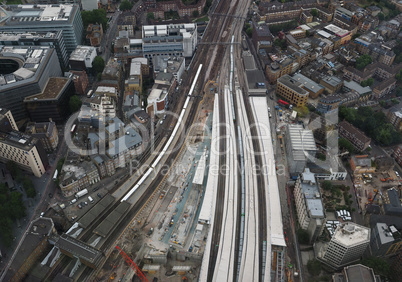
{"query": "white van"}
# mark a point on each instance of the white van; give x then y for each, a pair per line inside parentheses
(90, 199)
(73, 201)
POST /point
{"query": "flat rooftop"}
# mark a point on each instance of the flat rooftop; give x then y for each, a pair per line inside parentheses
(350, 234)
(52, 90)
(292, 84)
(82, 52)
(34, 14)
(111, 220)
(96, 210)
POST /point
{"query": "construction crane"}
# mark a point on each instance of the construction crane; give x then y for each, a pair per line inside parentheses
(133, 266)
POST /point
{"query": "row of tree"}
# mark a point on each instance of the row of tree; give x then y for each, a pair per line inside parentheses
(374, 124)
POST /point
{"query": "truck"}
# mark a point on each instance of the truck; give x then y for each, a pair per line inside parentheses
(81, 193)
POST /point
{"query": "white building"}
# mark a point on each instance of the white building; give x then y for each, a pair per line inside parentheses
(348, 244)
(170, 40)
(309, 207)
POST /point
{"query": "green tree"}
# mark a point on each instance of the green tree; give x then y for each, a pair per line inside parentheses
(302, 111)
(398, 76)
(363, 61)
(74, 104)
(14, 170)
(196, 13)
(379, 265)
(398, 91)
(314, 12)
(98, 64)
(302, 236)
(150, 16)
(314, 267)
(321, 156)
(327, 185)
(344, 144)
(94, 16)
(367, 82)
(249, 32)
(381, 16)
(125, 5)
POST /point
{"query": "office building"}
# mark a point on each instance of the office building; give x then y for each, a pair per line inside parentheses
(171, 40)
(102, 103)
(52, 102)
(89, 5)
(80, 79)
(25, 72)
(27, 152)
(161, 90)
(309, 207)
(278, 68)
(328, 103)
(46, 132)
(385, 240)
(347, 245)
(82, 58)
(44, 18)
(134, 81)
(291, 91)
(45, 38)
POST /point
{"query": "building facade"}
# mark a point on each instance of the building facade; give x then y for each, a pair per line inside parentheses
(52, 102)
(32, 67)
(358, 139)
(292, 91)
(27, 152)
(347, 245)
(309, 207)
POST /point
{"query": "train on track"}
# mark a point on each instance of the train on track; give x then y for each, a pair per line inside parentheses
(168, 143)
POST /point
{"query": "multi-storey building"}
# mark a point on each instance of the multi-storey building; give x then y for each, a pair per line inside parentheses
(52, 102)
(391, 203)
(46, 132)
(45, 18)
(134, 81)
(104, 104)
(82, 58)
(27, 73)
(356, 272)
(309, 207)
(261, 32)
(347, 245)
(332, 84)
(170, 40)
(385, 240)
(159, 8)
(27, 152)
(279, 68)
(164, 86)
(45, 38)
(292, 91)
(344, 13)
(358, 139)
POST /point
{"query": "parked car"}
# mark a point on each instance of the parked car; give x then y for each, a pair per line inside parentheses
(79, 206)
(99, 195)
